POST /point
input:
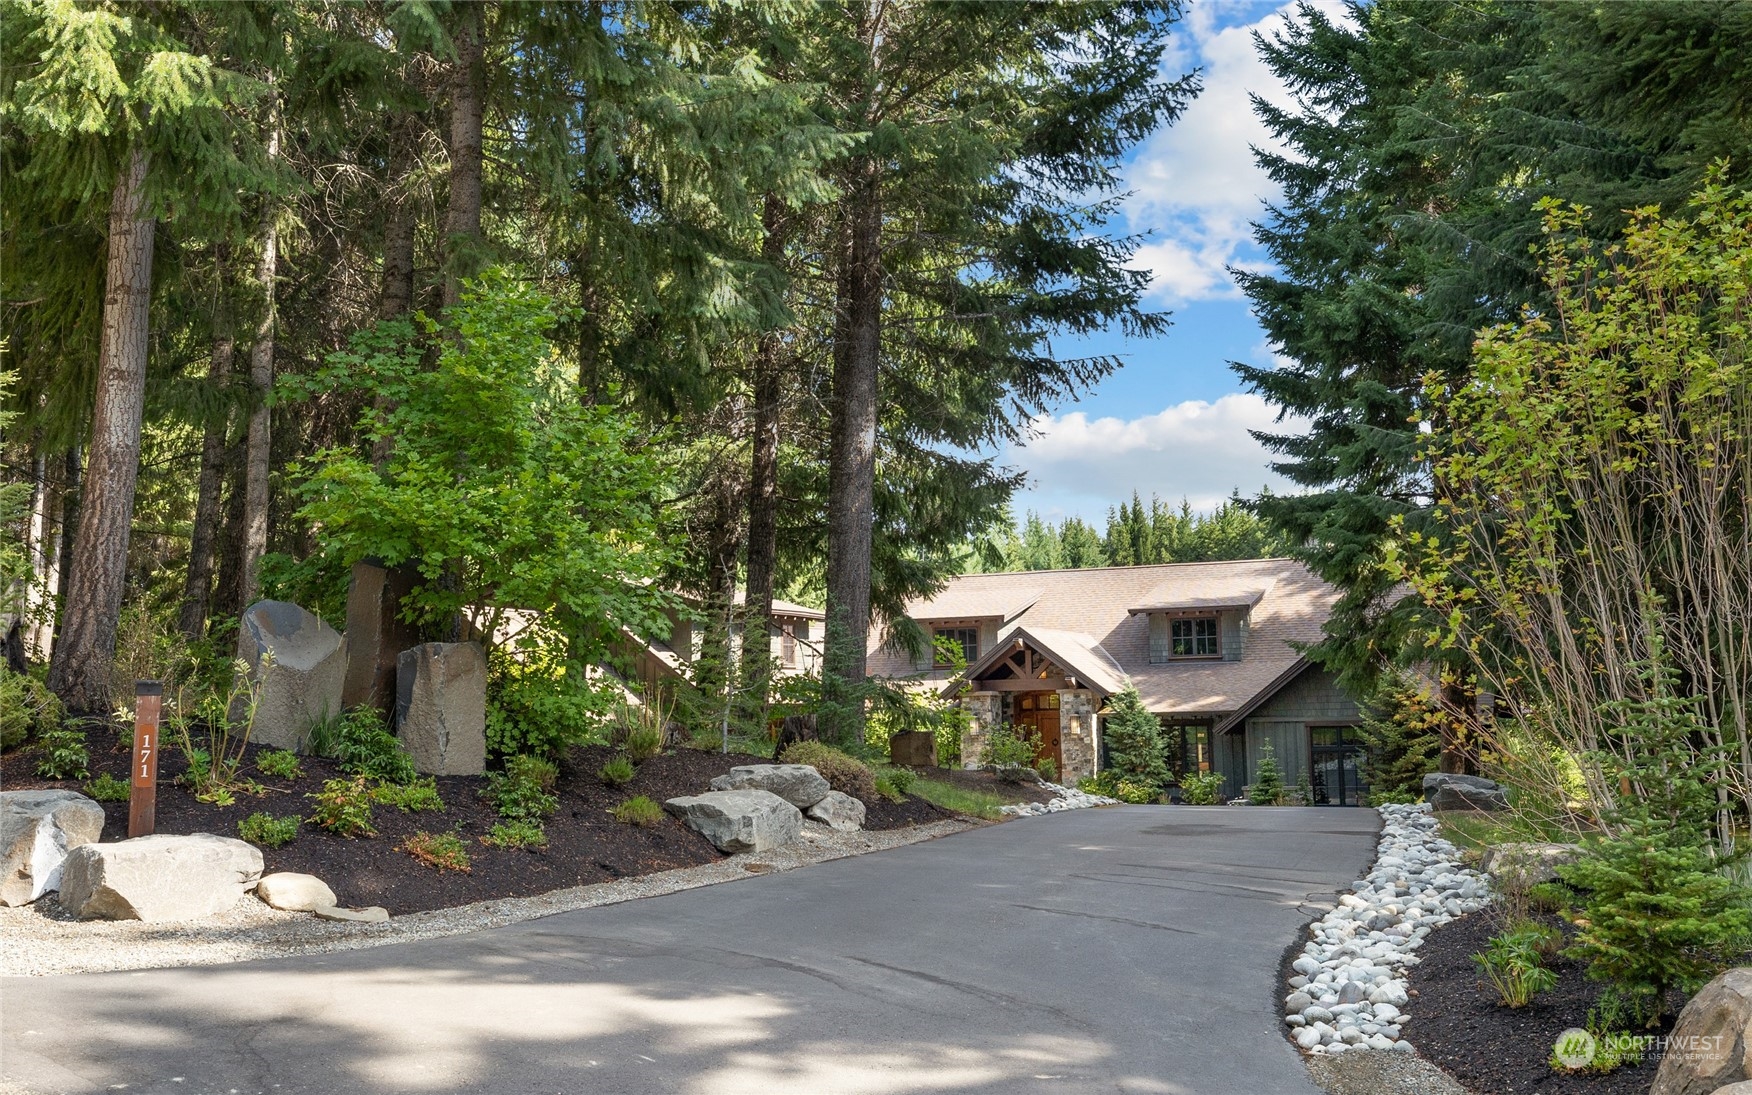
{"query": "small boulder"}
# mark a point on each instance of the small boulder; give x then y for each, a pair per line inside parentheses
(799, 784)
(300, 665)
(1527, 863)
(1711, 1047)
(1451, 791)
(740, 821)
(839, 811)
(37, 830)
(159, 877)
(913, 748)
(371, 914)
(441, 708)
(295, 892)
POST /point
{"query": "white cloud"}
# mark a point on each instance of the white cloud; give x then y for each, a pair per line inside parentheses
(1195, 450)
(1196, 187)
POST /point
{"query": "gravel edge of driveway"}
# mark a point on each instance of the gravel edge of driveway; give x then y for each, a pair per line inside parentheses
(40, 940)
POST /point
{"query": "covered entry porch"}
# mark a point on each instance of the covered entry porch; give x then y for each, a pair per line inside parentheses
(1049, 688)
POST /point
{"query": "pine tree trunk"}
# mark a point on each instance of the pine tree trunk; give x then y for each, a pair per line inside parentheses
(852, 453)
(198, 584)
(763, 479)
(396, 295)
(228, 600)
(261, 378)
(71, 485)
(85, 648)
(462, 221)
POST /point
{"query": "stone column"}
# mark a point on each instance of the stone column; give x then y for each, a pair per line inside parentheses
(986, 709)
(1077, 709)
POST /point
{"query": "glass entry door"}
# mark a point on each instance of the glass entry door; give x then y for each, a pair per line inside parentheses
(1337, 776)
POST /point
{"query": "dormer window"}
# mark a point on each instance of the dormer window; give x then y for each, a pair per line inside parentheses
(1194, 637)
(1173, 637)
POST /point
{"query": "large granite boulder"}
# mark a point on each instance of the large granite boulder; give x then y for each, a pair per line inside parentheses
(839, 811)
(37, 830)
(295, 892)
(1526, 864)
(913, 748)
(376, 633)
(1450, 791)
(299, 662)
(1711, 1047)
(740, 821)
(159, 878)
(799, 784)
(441, 708)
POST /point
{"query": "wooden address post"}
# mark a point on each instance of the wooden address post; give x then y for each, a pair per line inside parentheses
(143, 792)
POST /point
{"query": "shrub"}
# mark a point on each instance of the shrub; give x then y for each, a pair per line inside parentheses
(364, 747)
(1268, 782)
(107, 788)
(1512, 964)
(616, 772)
(409, 798)
(1134, 741)
(901, 779)
(1010, 750)
(1202, 789)
(1394, 798)
(886, 788)
(27, 707)
(343, 807)
(517, 834)
(445, 851)
(643, 743)
(522, 791)
(1047, 769)
(280, 763)
(64, 754)
(951, 724)
(1138, 794)
(1551, 897)
(640, 811)
(843, 772)
(1104, 782)
(267, 830)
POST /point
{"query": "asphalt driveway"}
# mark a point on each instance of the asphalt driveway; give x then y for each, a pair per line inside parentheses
(1124, 950)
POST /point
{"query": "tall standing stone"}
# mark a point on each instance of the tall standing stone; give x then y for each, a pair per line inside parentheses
(299, 662)
(376, 634)
(441, 708)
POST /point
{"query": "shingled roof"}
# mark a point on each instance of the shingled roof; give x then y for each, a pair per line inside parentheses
(1097, 621)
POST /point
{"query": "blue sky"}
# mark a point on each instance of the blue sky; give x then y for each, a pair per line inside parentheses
(1173, 420)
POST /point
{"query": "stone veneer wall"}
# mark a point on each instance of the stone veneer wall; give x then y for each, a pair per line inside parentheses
(1077, 733)
(986, 709)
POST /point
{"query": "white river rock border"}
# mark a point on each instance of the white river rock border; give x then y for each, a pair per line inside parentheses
(1349, 988)
(1064, 798)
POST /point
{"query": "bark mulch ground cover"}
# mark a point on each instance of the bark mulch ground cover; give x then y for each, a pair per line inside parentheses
(585, 843)
(1495, 1050)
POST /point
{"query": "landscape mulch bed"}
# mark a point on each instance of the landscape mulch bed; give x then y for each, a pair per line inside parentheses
(585, 843)
(1495, 1050)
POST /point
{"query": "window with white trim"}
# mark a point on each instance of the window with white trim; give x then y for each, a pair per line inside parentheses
(967, 638)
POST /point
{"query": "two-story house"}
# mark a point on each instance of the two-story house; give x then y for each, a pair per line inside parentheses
(1213, 649)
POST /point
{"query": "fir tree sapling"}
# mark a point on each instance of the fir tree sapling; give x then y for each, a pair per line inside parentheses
(1268, 782)
(1134, 741)
(1659, 912)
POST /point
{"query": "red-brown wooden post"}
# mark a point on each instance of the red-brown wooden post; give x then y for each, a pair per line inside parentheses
(143, 792)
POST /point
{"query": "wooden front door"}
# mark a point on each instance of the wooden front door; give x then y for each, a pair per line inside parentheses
(1039, 713)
